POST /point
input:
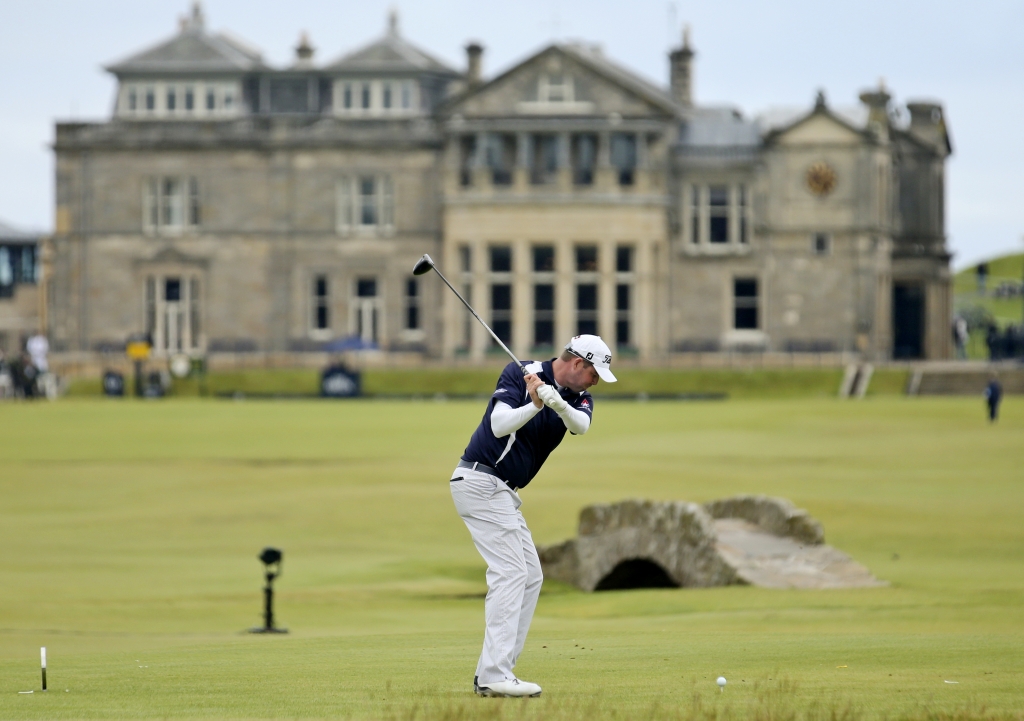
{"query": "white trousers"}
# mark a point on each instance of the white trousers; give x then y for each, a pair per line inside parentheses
(490, 510)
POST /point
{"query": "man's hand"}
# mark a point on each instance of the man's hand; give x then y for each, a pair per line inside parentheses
(533, 384)
(551, 398)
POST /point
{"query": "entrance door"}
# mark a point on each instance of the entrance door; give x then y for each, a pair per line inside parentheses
(172, 313)
(908, 320)
(367, 311)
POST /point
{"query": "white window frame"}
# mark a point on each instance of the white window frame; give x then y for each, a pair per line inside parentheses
(738, 215)
(565, 90)
(171, 214)
(316, 302)
(348, 205)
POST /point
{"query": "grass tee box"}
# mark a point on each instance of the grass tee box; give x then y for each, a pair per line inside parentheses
(130, 533)
(471, 382)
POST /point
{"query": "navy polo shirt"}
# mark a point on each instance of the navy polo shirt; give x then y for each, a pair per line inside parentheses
(518, 456)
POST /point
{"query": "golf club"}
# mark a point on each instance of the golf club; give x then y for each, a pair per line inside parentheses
(424, 264)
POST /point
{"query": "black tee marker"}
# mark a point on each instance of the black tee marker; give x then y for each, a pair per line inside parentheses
(42, 654)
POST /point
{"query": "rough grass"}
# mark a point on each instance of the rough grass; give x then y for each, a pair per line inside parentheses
(130, 529)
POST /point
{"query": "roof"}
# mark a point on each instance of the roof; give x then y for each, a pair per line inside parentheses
(390, 54)
(192, 50)
(719, 127)
(592, 57)
(9, 232)
(780, 118)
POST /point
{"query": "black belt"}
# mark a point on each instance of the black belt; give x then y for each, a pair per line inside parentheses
(474, 466)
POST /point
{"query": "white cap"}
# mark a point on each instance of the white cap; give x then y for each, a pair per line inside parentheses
(591, 348)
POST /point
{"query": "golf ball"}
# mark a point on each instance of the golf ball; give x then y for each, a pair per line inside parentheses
(721, 681)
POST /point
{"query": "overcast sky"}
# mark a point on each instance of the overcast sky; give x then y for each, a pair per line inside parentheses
(750, 53)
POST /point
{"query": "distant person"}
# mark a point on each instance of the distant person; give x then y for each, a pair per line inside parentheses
(993, 394)
(960, 337)
(993, 341)
(6, 381)
(982, 271)
(38, 347)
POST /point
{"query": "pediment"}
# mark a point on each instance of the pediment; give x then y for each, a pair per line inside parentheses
(561, 81)
(171, 256)
(819, 128)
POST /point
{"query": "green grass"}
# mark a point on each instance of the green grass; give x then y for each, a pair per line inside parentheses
(462, 382)
(130, 531)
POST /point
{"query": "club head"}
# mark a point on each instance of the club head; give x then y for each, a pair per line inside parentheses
(423, 265)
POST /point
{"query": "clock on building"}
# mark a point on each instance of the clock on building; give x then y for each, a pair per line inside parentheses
(821, 179)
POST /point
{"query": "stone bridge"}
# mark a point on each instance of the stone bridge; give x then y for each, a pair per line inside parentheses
(750, 540)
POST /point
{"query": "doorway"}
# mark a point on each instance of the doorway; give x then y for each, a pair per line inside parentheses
(908, 321)
(366, 309)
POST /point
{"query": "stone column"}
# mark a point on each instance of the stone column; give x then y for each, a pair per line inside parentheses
(565, 291)
(605, 180)
(564, 163)
(606, 293)
(522, 300)
(521, 174)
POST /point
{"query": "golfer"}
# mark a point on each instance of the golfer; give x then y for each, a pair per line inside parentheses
(525, 420)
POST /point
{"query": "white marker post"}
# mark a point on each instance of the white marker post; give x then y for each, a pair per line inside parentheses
(42, 654)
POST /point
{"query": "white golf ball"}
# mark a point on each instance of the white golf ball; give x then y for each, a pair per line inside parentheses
(721, 681)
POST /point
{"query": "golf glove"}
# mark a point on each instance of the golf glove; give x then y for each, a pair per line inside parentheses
(551, 399)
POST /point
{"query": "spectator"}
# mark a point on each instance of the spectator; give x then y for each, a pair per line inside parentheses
(960, 336)
(993, 394)
(993, 341)
(37, 347)
(982, 271)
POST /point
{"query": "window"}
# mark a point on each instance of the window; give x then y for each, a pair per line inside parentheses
(501, 153)
(321, 303)
(466, 258)
(586, 308)
(543, 258)
(586, 259)
(695, 223)
(346, 96)
(386, 96)
(544, 314)
(501, 311)
(584, 158)
(543, 159)
(745, 303)
(623, 291)
(501, 259)
(229, 99)
(406, 95)
(719, 214)
(412, 304)
(718, 202)
(211, 99)
(193, 202)
(365, 203)
(741, 210)
(190, 99)
(624, 156)
(172, 99)
(467, 157)
(624, 259)
(365, 97)
(150, 99)
(133, 100)
(821, 244)
(555, 88)
(368, 201)
(171, 203)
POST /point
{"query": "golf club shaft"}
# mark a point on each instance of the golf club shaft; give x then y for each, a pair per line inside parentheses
(477, 316)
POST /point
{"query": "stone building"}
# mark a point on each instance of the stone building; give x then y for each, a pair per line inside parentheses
(231, 206)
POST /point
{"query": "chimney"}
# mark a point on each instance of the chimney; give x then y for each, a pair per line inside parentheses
(393, 23)
(927, 123)
(681, 71)
(474, 56)
(878, 105)
(304, 52)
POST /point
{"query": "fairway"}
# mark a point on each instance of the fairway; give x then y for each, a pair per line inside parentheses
(130, 530)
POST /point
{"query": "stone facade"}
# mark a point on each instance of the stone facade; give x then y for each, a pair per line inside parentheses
(230, 206)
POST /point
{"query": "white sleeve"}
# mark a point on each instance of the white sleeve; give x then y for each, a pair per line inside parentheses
(576, 421)
(505, 419)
